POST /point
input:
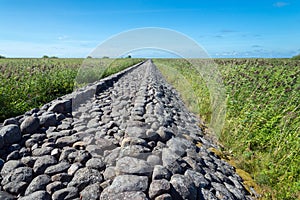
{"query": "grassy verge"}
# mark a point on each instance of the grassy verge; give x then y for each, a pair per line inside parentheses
(261, 129)
(94, 69)
(29, 83)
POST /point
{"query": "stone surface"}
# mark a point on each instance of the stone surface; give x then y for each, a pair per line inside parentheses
(54, 186)
(38, 183)
(154, 160)
(48, 120)
(222, 191)
(109, 173)
(43, 162)
(73, 168)
(62, 177)
(125, 183)
(38, 195)
(84, 177)
(91, 192)
(62, 106)
(179, 145)
(1, 141)
(134, 166)
(10, 134)
(68, 193)
(42, 151)
(160, 172)
(198, 179)
(6, 196)
(11, 121)
(58, 168)
(164, 134)
(95, 163)
(164, 197)
(171, 161)
(30, 125)
(15, 187)
(133, 141)
(158, 187)
(125, 195)
(10, 166)
(66, 141)
(183, 187)
(22, 174)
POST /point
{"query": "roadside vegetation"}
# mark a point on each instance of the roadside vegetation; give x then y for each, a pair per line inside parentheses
(30, 83)
(93, 69)
(262, 126)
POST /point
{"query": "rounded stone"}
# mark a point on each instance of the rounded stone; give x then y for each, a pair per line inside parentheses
(38, 195)
(134, 166)
(158, 187)
(38, 183)
(84, 177)
(30, 125)
(11, 134)
(95, 163)
(65, 194)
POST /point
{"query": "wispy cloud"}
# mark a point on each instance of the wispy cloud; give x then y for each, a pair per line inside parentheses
(84, 43)
(219, 36)
(280, 4)
(227, 54)
(256, 46)
(63, 37)
(223, 33)
(227, 31)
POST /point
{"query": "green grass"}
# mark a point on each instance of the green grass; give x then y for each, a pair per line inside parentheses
(30, 83)
(93, 69)
(261, 129)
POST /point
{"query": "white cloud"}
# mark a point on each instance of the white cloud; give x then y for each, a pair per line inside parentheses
(280, 4)
(67, 40)
(63, 37)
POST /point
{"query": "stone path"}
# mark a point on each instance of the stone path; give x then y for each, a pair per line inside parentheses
(133, 140)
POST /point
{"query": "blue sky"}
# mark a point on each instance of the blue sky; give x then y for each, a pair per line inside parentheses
(224, 28)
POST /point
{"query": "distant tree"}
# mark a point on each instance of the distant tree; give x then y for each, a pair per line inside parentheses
(45, 56)
(53, 57)
(89, 57)
(105, 57)
(2, 56)
(129, 56)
